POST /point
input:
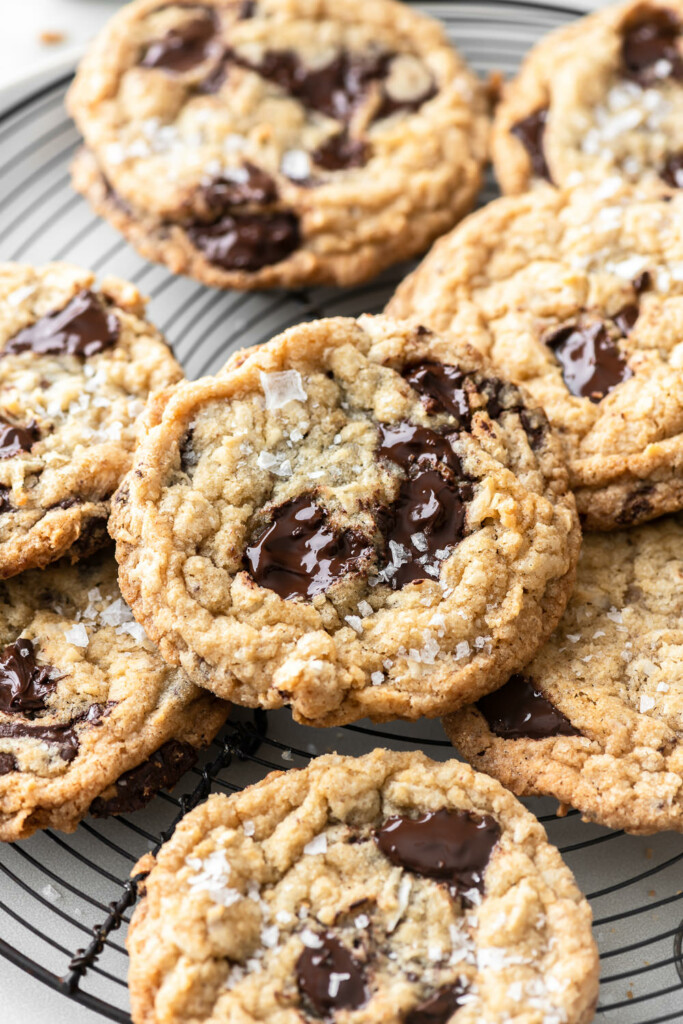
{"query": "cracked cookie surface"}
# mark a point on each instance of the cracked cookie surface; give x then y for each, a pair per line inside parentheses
(76, 367)
(278, 143)
(596, 720)
(90, 714)
(601, 97)
(577, 296)
(355, 518)
(380, 888)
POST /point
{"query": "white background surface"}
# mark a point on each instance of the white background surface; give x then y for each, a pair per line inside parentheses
(25, 63)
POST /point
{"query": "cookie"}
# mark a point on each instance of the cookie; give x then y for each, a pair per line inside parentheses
(90, 714)
(380, 888)
(353, 519)
(279, 142)
(601, 97)
(596, 718)
(76, 366)
(578, 295)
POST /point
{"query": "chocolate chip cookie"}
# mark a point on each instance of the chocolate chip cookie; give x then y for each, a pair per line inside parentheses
(596, 719)
(601, 98)
(76, 366)
(90, 714)
(578, 296)
(278, 142)
(380, 888)
(355, 518)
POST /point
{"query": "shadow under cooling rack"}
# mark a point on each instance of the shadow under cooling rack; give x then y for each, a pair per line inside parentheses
(65, 901)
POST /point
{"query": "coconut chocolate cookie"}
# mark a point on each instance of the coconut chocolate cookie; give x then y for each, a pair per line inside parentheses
(596, 719)
(579, 297)
(355, 518)
(602, 97)
(381, 888)
(90, 714)
(278, 142)
(76, 366)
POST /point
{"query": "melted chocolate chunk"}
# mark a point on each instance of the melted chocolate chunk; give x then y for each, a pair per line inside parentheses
(592, 364)
(250, 185)
(334, 90)
(83, 328)
(672, 171)
(625, 319)
(440, 1007)
(15, 439)
(648, 51)
(389, 105)
(247, 241)
(442, 389)
(64, 737)
(300, 554)
(135, 788)
(427, 520)
(340, 152)
(7, 764)
(189, 458)
(642, 283)
(24, 685)
(519, 711)
(409, 445)
(530, 132)
(5, 503)
(450, 846)
(329, 979)
(185, 47)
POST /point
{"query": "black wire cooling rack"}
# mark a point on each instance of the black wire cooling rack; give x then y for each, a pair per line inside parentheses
(65, 901)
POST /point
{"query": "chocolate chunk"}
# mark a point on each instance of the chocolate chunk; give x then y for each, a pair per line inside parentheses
(62, 736)
(625, 319)
(672, 171)
(530, 132)
(329, 979)
(24, 685)
(335, 89)
(427, 520)
(249, 185)
(83, 328)
(642, 283)
(389, 105)
(213, 82)
(183, 48)
(648, 51)
(247, 241)
(300, 554)
(7, 764)
(340, 152)
(441, 388)
(409, 445)
(440, 1007)
(189, 458)
(247, 10)
(519, 711)
(637, 506)
(451, 846)
(15, 439)
(592, 364)
(535, 427)
(5, 503)
(135, 788)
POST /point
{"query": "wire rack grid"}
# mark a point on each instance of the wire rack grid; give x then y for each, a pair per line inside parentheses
(65, 901)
